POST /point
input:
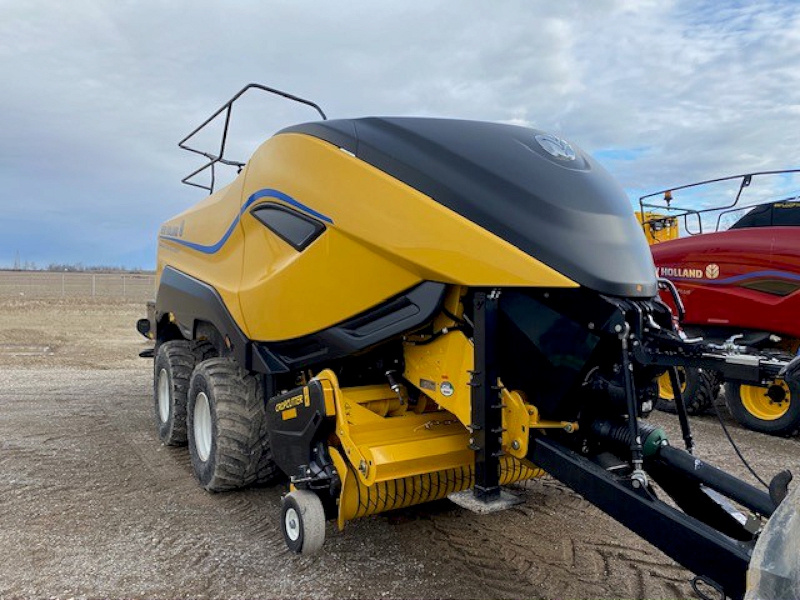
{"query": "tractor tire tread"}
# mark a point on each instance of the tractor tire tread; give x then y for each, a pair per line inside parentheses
(203, 350)
(243, 455)
(177, 358)
(701, 391)
(707, 392)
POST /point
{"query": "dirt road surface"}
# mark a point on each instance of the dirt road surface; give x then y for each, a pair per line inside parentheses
(92, 505)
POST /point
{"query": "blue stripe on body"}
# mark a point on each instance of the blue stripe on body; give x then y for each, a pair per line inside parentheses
(269, 193)
(265, 193)
(743, 277)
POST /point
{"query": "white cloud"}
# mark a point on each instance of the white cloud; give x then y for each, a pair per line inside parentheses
(97, 93)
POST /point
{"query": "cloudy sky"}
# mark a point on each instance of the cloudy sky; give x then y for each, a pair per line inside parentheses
(95, 94)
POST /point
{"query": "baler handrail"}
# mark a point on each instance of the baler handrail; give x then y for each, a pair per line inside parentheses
(684, 212)
(746, 179)
(227, 108)
(717, 180)
(722, 212)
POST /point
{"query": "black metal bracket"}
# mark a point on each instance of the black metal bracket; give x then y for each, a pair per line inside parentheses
(487, 409)
(680, 405)
(638, 477)
(219, 156)
(666, 349)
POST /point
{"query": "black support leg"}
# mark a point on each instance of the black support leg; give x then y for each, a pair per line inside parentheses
(487, 410)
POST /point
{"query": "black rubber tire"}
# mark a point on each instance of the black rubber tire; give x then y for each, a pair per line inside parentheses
(702, 389)
(177, 359)
(786, 425)
(239, 453)
(203, 350)
(302, 511)
(174, 362)
(714, 381)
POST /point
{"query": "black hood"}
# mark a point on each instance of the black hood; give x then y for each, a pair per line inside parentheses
(544, 196)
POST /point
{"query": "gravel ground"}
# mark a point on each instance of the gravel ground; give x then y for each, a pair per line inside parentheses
(94, 506)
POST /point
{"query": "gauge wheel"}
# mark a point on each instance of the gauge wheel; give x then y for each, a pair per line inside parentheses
(699, 388)
(303, 521)
(772, 409)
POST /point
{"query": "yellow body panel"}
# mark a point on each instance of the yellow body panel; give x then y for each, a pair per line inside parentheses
(392, 218)
(382, 237)
(286, 294)
(206, 223)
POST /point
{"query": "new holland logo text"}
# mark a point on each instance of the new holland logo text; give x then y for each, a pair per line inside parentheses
(680, 272)
(173, 230)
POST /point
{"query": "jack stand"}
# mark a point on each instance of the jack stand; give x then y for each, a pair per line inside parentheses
(487, 415)
(487, 407)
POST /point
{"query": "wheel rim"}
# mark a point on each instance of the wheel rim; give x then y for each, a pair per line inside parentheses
(665, 385)
(767, 403)
(202, 426)
(291, 521)
(163, 395)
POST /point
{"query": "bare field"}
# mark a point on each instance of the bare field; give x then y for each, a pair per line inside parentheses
(94, 506)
